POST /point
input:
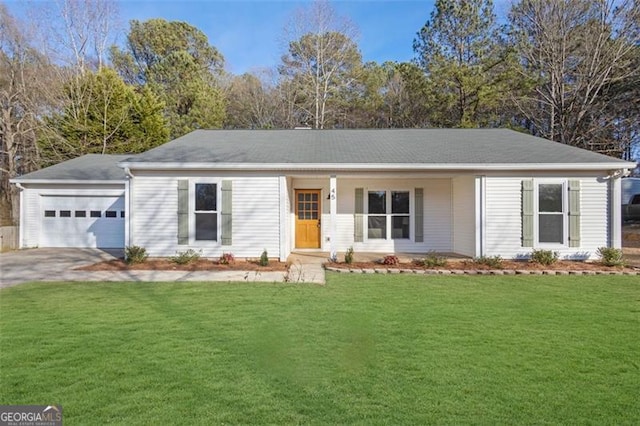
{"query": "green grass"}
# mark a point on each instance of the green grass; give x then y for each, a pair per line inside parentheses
(362, 349)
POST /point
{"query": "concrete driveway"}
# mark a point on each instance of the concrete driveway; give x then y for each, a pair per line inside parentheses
(48, 264)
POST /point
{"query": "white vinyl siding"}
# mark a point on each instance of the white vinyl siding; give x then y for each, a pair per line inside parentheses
(437, 215)
(255, 216)
(285, 217)
(154, 217)
(595, 204)
(32, 221)
(503, 218)
(449, 215)
(464, 219)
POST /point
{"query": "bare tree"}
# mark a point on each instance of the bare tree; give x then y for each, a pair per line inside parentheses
(62, 41)
(22, 70)
(77, 33)
(577, 54)
(252, 101)
(321, 59)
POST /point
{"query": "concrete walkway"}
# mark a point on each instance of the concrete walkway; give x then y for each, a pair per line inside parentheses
(307, 267)
(60, 265)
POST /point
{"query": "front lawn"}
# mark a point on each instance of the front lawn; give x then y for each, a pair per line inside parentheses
(368, 349)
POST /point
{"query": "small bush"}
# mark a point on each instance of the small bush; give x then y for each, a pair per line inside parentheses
(433, 260)
(226, 259)
(185, 257)
(610, 256)
(390, 260)
(494, 262)
(264, 258)
(135, 254)
(544, 257)
(348, 256)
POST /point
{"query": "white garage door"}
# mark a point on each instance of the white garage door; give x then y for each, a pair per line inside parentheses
(82, 221)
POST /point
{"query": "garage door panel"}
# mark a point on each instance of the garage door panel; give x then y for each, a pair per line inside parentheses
(73, 221)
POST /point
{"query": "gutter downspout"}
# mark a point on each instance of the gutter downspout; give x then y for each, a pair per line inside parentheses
(21, 224)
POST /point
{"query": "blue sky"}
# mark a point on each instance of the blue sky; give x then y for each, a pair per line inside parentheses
(249, 33)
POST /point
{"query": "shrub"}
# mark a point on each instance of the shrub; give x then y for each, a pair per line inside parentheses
(348, 256)
(226, 259)
(433, 259)
(184, 257)
(135, 254)
(264, 258)
(494, 262)
(390, 260)
(610, 256)
(544, 257)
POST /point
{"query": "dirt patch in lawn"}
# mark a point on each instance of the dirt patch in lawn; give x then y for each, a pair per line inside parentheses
(198, 265)
(631, 235)
(631, 243)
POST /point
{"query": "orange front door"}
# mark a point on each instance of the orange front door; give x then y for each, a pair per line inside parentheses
(308, 211)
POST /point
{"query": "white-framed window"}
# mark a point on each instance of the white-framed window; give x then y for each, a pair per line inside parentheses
(388, 214)
(377, 215)
(551, 213)
(205, 211)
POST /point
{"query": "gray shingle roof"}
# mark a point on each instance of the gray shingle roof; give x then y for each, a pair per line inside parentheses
(375, 146)
(90, 167)
(427, 147)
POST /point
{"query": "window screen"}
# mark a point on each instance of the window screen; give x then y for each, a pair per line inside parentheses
(206, 215)
(550, 213)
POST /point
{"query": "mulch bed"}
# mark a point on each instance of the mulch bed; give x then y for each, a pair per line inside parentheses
(161, 264)
(470, 266)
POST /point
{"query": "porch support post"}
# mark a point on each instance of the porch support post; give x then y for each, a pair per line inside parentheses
(480, 191)
(616, 212)
(284, 229)
(333, 208)
(129, 236)
(126, 212)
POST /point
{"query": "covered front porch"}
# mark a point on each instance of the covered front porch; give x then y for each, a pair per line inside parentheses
(406, 214)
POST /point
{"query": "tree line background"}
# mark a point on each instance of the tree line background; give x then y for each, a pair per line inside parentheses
(566, 70)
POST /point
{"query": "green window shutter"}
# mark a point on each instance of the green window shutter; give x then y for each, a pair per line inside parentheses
(227, 207)
(358, 235)
(183, 212)
(574, 213)
(419, 215)
(527, 213)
